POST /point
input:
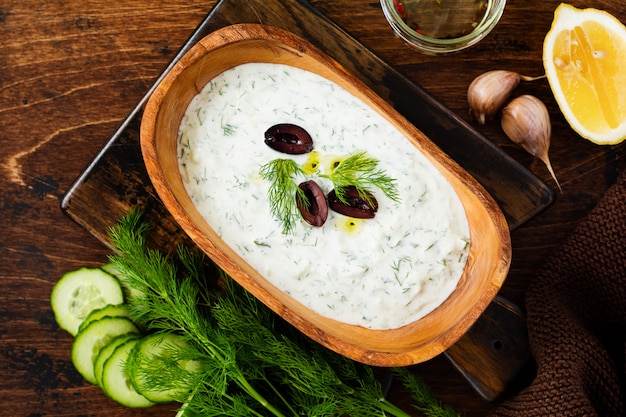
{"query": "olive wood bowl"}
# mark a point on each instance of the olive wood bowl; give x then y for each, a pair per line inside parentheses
(490, 247)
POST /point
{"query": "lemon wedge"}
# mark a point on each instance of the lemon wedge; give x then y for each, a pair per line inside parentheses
(584, 55)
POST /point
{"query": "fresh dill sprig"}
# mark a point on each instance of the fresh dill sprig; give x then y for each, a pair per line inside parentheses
(361, 171)
(283, 190)
(250, 361)
(426, 402)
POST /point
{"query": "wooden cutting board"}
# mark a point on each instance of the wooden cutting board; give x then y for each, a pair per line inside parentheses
(116, 180)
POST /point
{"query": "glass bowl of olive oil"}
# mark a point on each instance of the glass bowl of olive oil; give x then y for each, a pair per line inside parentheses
(442, 26)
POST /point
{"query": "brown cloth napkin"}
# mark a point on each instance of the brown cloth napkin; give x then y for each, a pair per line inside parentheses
(576, 308)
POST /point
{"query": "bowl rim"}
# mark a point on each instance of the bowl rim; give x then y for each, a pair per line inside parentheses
(236, 34)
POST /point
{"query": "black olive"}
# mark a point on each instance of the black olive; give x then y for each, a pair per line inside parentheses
(314, 209)
(289, 138)
(357, 207)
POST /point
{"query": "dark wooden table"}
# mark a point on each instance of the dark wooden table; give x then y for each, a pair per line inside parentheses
(71, 71)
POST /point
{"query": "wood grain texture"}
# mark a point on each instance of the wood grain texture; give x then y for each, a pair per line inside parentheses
(71, 71)
(495, 352)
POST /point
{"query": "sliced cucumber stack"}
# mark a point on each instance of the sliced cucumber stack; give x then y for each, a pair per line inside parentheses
(80, 292)
(116, 382)
(110, 310)
(106, 352)
(108, 348)
(160, 351)
(94, 337)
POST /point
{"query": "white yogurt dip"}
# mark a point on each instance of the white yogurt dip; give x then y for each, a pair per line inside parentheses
(379, 273)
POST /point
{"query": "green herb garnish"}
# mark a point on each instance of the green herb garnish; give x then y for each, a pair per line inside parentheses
(360, 170)
(283, 189)
(251, 362)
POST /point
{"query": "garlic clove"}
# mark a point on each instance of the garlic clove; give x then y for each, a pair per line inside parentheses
(488, 92)
(526, 121)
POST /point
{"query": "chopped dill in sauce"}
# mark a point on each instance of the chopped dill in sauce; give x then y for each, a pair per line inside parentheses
(381, 273)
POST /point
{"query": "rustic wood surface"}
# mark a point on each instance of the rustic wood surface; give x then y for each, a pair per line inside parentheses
(71, 71)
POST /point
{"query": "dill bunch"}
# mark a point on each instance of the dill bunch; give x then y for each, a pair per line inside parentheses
(250, 362)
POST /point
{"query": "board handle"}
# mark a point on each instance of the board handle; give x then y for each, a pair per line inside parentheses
(494, 351)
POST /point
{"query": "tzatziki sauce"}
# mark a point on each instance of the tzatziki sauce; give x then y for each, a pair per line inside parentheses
(380, 273)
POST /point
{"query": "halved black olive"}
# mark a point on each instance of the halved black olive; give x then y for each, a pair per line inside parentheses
(357, 207)
(289, 138)
(314, 209)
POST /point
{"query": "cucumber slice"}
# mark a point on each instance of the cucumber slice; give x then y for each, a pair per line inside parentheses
(110, 268)
(128, 291)
(116, 382)
(94, 337)
(106, 352)
(110, 310)
(153, 351)
(79, 292)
